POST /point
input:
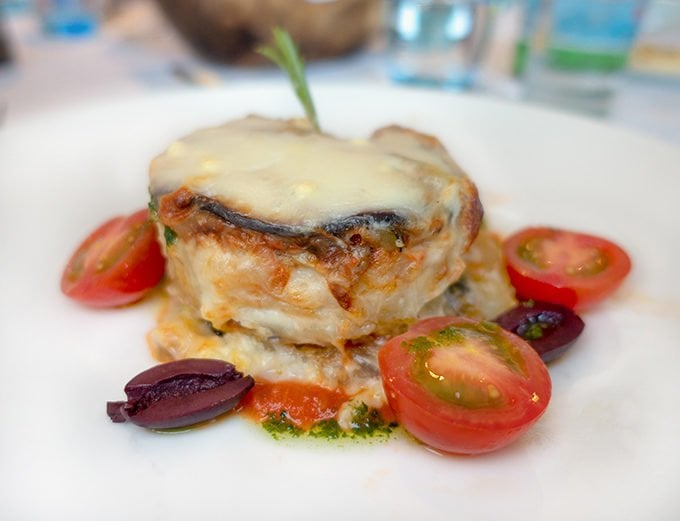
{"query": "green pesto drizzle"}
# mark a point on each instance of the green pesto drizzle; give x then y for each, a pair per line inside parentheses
(366, 422)
(534, 331)
(418, 344)
(463, 392)
(328, 429)
(449, 335)
(487, 332)
(281, 425)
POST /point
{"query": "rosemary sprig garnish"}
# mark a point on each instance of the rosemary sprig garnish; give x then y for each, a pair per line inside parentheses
(285, 54)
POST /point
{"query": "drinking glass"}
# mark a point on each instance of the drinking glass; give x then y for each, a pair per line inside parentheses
(578, 49)
(438, 42)
(69, 17)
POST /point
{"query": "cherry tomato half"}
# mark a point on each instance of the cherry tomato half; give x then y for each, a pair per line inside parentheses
(573, 269)
(462, 386)
(117, 264)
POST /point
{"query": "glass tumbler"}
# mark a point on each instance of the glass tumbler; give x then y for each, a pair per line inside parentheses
(69, 17)
(578, 50)
(438, 42)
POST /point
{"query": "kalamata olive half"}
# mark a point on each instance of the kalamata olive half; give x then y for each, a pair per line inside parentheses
(181, 393)
(549, 328)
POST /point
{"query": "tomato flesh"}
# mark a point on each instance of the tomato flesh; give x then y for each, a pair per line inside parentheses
(571, 269)
(462, 386)
(117, 264)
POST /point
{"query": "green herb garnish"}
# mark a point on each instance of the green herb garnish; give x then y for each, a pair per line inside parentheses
(285, 54)
(329, 429)
(170, 235)
(153, 211)
(281, 425)
(534, 331)
(418, 344)
(367, 421)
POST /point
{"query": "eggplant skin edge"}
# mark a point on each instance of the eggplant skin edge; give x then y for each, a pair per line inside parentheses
(181, 201)
(388, 220)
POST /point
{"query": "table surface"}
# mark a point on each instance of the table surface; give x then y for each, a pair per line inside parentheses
(136, 52)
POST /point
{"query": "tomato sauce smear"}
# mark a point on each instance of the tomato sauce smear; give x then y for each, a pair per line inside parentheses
(303, 404)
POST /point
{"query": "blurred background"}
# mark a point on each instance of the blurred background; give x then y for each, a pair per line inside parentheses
(615, 60)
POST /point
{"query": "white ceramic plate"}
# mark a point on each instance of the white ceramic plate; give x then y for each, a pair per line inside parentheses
(607, 448)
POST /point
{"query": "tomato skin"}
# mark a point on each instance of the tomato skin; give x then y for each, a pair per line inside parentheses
(453, 428)
(559, 254)
(117, 264)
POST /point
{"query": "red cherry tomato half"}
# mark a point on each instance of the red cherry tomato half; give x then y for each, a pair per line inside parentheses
(462, 386)
(573, 269)
(117, 264)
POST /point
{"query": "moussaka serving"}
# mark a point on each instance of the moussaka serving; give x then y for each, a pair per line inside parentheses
(292, 254)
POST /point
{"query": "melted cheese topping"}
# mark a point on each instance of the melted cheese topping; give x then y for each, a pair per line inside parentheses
(270, 170)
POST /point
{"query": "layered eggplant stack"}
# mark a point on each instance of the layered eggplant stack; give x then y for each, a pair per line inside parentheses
(292, 253)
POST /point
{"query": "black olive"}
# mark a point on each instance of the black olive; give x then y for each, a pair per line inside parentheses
(181, 393)
(549, 328)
